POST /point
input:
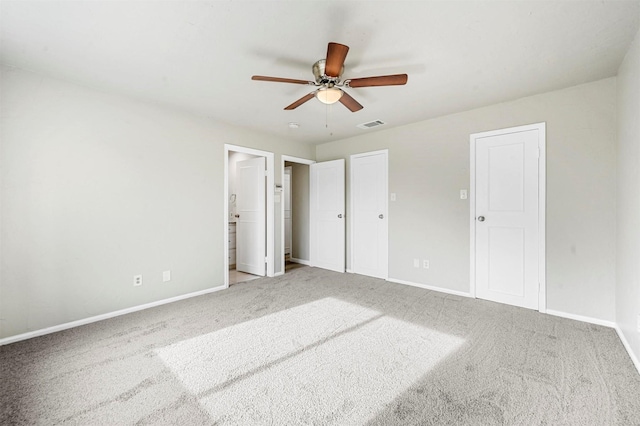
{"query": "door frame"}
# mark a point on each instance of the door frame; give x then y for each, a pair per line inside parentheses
(542, 179)
(291, 159)
(269, 208)
(351, 208)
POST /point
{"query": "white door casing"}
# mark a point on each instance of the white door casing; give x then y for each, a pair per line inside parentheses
(369, 214)
(283, 159)
(327, 236)
(286, 185)
(251, 226)
(507, 216)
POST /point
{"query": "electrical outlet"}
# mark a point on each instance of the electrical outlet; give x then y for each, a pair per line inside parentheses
(137, 280)
(425, 264)
(463, 194)
(166, 276)
(416, 263)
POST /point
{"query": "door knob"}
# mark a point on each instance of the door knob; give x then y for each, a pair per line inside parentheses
(381, 216)
(340, 216)
(480, 218)
(237, 215)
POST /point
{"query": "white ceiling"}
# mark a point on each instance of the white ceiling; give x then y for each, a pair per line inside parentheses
(200, 55)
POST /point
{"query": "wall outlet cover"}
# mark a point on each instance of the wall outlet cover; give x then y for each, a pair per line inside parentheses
(137, 280)
(166, 276)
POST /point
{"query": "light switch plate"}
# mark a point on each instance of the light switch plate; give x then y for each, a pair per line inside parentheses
(166, 276)
(463, 194)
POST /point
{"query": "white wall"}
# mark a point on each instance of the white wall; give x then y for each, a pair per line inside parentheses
(429, 164)
(628, 202)
(97, 188)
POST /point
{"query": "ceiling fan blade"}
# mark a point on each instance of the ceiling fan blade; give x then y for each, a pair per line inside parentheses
(383, 80)
(300, 101)
(280, 80)
(336, 54)
(349, 102)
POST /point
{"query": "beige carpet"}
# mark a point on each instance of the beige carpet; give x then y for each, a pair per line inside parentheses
(317, 347)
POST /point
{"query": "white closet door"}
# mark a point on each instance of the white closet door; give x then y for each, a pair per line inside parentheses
(251, 223)
(327, 215)
(506, 218)
(369, 221)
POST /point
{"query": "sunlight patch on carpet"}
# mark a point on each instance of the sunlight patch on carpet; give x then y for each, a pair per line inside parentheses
(326, 361)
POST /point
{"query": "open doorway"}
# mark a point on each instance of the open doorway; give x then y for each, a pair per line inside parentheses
(248, 227)
(295, 212)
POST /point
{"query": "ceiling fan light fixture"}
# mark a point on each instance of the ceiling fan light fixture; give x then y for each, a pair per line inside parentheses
(329, 95)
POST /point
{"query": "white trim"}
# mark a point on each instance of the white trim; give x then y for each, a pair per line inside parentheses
(300, 261)
(270, 206)
(542, 200)
(542, 217)
(291, 159)
(85, 321)
(581, 318)
(430, 287)
(299, 160)
(472, 217)
(384, 152)
(369, 153)
(277, 274)
(349, 271)
(627, 346)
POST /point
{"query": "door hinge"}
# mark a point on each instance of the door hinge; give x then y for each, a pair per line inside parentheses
(266, 260)
(265, 173)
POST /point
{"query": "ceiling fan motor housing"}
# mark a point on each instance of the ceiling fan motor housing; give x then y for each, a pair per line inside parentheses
(319, 73)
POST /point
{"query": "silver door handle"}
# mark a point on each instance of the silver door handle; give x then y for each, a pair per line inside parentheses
(480, 218)
(340, 216)
(381, 216)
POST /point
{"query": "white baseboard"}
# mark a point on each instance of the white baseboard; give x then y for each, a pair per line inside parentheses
(277, 274)
(581, 318)
(78, 323)
(300, 261)
(627, 346)
(430, 287)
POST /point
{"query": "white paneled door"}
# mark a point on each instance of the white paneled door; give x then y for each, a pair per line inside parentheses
(251, 220)
(506, 217)
(327, 210)
(369, 222)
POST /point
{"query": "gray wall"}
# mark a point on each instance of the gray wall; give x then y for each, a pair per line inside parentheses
(97, 188)
(628, 208)
(429, 164)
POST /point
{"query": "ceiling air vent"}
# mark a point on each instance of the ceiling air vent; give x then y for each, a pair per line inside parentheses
(371, 124)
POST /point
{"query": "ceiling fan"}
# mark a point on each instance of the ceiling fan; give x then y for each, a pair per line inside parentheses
(327, 73)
